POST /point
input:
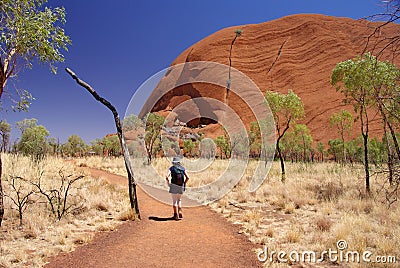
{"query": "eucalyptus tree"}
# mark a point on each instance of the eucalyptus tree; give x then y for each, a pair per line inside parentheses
(152, 136)
(369, 85)
(343, 121)
(254, 139)
(5, 129)
(131, 122)
(34, 142)
(321, 149)
(29, 32)
(188, 146)
(26, 123)
(112, 145)
(286, 110)
(304, 139)
(75, 146)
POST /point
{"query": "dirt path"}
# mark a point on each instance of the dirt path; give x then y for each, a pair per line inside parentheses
(202, 239)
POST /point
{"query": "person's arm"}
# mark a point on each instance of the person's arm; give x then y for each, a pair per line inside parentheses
(186, 176)
(169, 173)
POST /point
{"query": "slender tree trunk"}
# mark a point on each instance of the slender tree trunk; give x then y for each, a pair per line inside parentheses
(343, 148)
(305, 157)
(149, 158)
(389, 152)
(283, 178)
(390, 160)
(364, 133)
(392, 132)
(396, 144)
(366, 163)
(131, 180)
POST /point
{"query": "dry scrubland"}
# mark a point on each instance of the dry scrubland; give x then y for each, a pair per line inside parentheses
(96, 206)
(318, 205)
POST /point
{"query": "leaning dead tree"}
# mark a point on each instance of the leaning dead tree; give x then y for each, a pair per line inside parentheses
(128, 166)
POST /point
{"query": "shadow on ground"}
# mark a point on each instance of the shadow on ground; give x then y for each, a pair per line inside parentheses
(154, 218)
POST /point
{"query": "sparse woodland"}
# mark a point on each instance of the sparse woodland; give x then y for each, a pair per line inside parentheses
(315, 193)
(322, 199)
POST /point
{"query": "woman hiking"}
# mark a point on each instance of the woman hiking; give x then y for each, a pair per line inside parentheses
(177, 184)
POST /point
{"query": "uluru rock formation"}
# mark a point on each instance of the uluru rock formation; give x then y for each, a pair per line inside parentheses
(312, 46)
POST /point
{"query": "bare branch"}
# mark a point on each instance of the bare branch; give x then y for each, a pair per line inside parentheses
(19, 196)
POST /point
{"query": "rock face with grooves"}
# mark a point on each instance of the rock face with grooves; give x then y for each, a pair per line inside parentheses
(313, 45)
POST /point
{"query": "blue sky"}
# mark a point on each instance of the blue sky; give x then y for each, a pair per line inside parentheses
(117, 45)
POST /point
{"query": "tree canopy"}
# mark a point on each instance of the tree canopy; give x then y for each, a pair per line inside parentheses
(5, 129)
(131, 122)
(34, 141)
(75, 146)
(343, 121)
(286, 110)
(369, 84)
(26, 123)
(29, 31)
(152, 137)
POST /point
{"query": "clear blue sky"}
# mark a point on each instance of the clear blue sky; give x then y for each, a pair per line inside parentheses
(117, 45)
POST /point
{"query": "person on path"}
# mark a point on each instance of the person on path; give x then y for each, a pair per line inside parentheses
(179, 178)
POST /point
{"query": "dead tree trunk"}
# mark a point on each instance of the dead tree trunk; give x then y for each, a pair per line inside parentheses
(131, 180)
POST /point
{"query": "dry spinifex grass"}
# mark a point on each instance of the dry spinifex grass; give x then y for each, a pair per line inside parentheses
(96, 206)
(319, 204)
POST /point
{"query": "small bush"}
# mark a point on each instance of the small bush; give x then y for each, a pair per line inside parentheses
(323, 224)
(290, 208)
(126, 215)
(269, 232)
(83, 238)
(101, 207)
(329, 191)
(293, 236)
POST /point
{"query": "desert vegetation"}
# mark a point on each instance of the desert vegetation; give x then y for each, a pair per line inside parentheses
(314, 195)
(36, 141)
(319, 204)
(53, 206)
